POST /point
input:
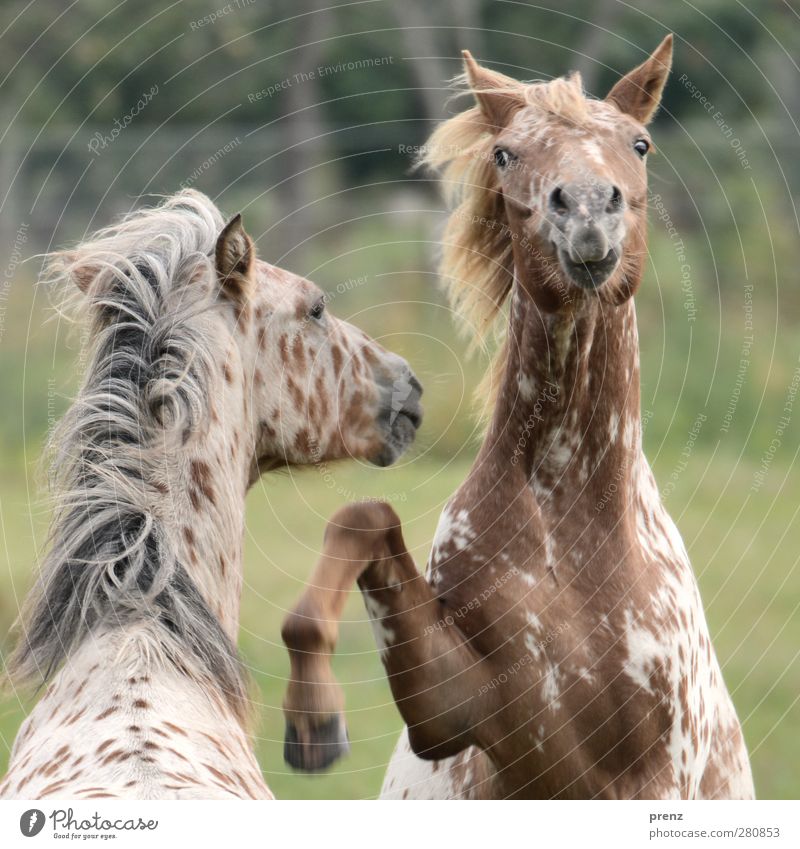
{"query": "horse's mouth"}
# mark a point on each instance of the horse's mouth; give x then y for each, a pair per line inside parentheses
(400, 436)
(400, 418)
(589, 275)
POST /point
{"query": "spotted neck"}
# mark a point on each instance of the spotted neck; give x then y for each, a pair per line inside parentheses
(203, 505)
(567, 419)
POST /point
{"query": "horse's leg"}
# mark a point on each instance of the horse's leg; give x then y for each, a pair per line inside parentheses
(433, 672)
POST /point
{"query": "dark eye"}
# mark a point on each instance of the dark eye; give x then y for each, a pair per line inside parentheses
(316, 312)
(502, 158)
(641, 146)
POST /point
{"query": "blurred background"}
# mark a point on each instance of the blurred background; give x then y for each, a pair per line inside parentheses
(305, 117)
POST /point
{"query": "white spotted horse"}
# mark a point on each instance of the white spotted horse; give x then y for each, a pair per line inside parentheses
(557, 646)
(206, 366)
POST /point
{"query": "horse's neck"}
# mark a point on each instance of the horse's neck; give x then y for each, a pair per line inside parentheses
(567, 419)
(203, 511)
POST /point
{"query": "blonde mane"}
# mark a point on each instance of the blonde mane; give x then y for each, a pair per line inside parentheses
(476, 265)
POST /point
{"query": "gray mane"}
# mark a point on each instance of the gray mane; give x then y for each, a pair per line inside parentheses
(109, 562)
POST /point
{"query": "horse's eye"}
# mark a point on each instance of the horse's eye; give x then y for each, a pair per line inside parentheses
(317, 310)
(502, 157)
(641, 146)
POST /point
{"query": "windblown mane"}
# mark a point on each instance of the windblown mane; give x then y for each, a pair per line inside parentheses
(476, 265)
(109, 563)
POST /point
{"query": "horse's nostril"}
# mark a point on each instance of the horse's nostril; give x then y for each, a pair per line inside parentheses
(558, 203)
(616, 200)
(414, 416)
(415, 384)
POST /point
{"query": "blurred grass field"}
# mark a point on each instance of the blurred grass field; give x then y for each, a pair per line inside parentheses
(322, 174)
(748, 575)
(741, 544)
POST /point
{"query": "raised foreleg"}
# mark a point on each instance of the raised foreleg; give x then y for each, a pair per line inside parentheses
(433, 672)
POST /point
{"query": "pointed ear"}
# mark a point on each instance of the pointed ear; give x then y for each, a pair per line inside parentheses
(498, 96)
(235, 257)
(638, 93)
(80, 274)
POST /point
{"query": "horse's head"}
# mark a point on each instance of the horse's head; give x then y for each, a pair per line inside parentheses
(320, 389)
(570, 175)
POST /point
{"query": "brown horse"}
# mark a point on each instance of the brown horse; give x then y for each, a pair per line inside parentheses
(557, 646)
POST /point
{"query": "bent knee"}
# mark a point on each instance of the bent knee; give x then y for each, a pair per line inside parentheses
(371, 517)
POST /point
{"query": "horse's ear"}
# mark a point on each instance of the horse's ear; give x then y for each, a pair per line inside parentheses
(81, 274)
(234, 257)
(638, 93)
(498, 96)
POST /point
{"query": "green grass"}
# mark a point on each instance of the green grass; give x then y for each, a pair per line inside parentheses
(741, 550)
(742, 545)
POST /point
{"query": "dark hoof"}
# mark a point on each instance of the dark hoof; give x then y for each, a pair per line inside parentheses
(314, 748)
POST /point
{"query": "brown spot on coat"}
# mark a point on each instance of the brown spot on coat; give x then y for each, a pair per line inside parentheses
(322, 398)
(105, 713)
(114, 755)
(302, 443)
(295, 394)
(202, 479)
(336, 354)
(299, 352)
(56, 785)
(220, 775)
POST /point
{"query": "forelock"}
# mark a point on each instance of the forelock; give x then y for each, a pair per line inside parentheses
(562, 98)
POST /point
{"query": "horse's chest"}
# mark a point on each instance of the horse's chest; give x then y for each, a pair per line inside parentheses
(616, 626)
